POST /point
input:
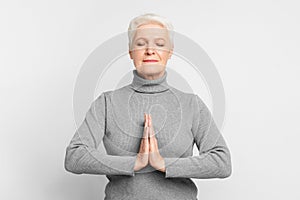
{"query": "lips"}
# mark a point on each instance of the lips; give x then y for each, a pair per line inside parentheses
(150, 60)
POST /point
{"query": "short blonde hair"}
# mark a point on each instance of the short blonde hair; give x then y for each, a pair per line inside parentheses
(147, 19)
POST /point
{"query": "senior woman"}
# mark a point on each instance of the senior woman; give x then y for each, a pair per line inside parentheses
(141, 136)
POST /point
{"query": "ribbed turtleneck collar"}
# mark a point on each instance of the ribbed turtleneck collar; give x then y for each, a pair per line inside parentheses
(140, 84)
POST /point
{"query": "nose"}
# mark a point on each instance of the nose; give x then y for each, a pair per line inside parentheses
(150, 51)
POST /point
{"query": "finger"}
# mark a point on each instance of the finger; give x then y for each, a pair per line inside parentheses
(152, 140)
(151, 130)
(147, 137)
(145, 120)
(150, 120)
(145, 133)
(146, 140)
(151, 127)
(152, 133)
(144, 146)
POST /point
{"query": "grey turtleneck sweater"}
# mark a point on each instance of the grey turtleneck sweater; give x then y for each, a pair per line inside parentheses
(108, 140)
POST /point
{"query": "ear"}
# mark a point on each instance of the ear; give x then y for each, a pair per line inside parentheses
(130, 54)
(170, 53)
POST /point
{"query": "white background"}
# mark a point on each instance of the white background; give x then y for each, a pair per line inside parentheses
(254, 45)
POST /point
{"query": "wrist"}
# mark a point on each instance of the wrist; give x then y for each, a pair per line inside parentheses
(139, 164)
(161, 166)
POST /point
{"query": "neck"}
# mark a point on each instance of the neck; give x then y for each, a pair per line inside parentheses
(152, 76)
(142, 85)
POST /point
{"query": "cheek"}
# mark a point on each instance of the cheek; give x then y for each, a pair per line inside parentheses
(164, 56)
(138, 56)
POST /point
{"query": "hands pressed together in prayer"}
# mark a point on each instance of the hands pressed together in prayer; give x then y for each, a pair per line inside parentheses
(148, 152)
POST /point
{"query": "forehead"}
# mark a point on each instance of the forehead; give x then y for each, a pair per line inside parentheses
(151, 33)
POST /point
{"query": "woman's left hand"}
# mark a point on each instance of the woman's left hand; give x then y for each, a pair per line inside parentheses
(155, 159)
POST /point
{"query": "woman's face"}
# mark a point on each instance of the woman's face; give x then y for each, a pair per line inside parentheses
(150, 50)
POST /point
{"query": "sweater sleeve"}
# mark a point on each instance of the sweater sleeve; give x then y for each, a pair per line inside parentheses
(213, 161)
(86, 152)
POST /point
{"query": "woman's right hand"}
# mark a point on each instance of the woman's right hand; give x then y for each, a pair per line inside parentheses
(142, 156)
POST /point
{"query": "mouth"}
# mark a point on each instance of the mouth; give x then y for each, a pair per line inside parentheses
(150, 60)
